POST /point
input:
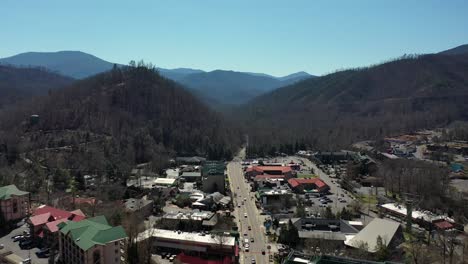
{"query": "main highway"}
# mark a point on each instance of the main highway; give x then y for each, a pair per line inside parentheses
(247, 215)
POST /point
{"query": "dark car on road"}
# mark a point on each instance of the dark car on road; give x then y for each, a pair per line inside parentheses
(43, 253)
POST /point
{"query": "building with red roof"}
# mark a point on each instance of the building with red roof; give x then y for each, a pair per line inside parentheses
(44, 220)
(253, 171)
(300, 185)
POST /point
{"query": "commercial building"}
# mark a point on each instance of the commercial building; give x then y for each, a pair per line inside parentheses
(143, 207)
(45, 219)
(14, 203)
(193, 245)
(296, 257)
(330, 230)
(164, 182)
(285, 171)
(187, 221)
(91, 241)
(268, 181)
(424, 219)
(309, 185)
(213, 177)
(275, 198)
(389, 231)
(191, 176)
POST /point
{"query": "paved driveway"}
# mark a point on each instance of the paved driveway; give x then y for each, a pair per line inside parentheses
(14, 246)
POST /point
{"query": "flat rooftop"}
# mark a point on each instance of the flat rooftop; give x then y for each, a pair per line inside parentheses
(184, 237)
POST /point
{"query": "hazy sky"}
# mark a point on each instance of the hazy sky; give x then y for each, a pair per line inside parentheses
(275, 37)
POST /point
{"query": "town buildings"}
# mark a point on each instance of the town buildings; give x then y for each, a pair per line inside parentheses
(142, 207)
(213, 177)
(91, 241)
(309, 185)
(194, 247)
(14, 203)
(45, 219)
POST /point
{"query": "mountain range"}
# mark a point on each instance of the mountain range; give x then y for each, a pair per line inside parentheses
(332, 111)
(118, 118)
(219, 86)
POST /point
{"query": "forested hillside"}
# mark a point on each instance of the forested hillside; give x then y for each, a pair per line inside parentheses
(335, 110)
(113, 121)
(20, 83)
(233, 88)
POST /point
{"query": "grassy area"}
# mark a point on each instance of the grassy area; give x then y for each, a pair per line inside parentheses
(367, 199)
(307, 176)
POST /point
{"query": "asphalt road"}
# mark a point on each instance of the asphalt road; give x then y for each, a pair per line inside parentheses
(241, 190)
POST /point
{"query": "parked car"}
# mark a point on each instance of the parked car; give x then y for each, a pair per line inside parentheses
(17, 238)
(43, 253)
(27, 244)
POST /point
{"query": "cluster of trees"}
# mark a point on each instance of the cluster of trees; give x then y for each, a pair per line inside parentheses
(108, 123)
(255, 150)
(427, 183)
(289, 235)
(338, 109)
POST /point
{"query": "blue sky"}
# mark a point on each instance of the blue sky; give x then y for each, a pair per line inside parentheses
(275, 37)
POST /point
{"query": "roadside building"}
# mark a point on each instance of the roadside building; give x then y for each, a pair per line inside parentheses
(195, 160)
(285, 171)
(191, 176)
(142, 207)
(335, 232)
(275, 198)
(91, 240)
(164, 182)
(45, 219)
(296, 257)
(189, 221)
(193, 247)
(308, 185)
(423, 218)
(389, 231)
(172, 173)
(268, 181)
(14, 203)
(213, 177)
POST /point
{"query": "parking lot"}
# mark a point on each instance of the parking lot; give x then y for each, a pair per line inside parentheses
(7, 241)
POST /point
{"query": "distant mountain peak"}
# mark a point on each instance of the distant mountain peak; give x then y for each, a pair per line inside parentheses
(462, 49)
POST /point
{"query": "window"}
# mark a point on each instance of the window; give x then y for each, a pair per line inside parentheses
(96, 257)
(15, 206)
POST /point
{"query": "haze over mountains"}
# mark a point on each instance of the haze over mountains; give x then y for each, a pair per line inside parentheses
(219, 86)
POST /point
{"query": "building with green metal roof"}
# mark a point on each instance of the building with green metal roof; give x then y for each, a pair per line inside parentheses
(91, 240)
(14, 203)
(213, 177)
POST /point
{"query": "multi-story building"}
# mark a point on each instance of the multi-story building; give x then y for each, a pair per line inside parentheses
(91, 241)
(14, 203)
(44, 220)
(214, 177)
